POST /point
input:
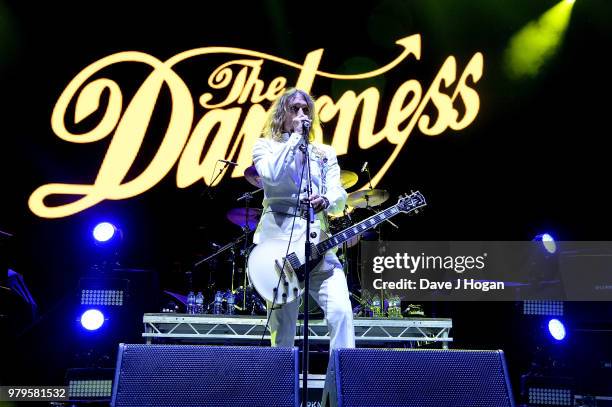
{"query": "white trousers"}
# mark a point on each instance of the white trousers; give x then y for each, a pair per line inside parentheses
(330, 290)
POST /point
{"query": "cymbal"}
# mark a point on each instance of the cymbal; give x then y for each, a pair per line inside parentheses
(347, 211)
(368, 197)
(251, 175)
(242, 216)
(348, 178)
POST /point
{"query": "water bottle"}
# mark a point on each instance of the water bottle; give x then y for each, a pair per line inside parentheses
(231, 300)
(190, 302)
(376, 308)
(394, 310)
(199, 303)
(218, 304)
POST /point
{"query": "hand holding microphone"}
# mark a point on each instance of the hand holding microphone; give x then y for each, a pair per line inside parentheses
(301, 125)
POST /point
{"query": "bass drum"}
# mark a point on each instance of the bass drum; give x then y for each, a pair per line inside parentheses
(338, 224)
(313, 308)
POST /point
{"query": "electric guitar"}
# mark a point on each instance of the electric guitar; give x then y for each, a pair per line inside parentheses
(280, 279)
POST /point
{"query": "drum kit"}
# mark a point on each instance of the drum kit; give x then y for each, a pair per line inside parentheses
(246, 217)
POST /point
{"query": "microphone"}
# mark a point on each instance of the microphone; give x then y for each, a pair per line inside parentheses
(305, 127)
(228, 162)
(365, 166)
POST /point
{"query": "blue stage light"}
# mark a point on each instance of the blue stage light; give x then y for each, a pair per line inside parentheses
(92, 319)
(556, 329)
(104, 231)
(547, 241)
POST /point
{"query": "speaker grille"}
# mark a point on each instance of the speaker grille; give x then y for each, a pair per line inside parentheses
(190, 375)
(421, 378)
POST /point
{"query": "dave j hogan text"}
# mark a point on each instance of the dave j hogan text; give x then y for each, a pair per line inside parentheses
(468, 284)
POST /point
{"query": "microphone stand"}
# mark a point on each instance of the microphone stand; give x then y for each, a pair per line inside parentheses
(207, 190)
(220, 250)
(367, 169)
(307, 256)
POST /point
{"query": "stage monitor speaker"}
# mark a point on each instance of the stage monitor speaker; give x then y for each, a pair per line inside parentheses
(417, 378)
(192, 375)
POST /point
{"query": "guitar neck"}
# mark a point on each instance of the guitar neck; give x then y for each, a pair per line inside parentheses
(357, 229)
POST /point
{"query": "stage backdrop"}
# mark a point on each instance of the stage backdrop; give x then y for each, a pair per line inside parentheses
(495, 111)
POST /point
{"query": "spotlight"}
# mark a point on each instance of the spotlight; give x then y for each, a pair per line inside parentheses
(102, 297)
(90, 389)
(547, 241)
(556, 329)
(103, 292)
(92, 319)
(543, 396)
(541, 390)
(103, 232)
(543, 307)
(90, 384)
(534, 45)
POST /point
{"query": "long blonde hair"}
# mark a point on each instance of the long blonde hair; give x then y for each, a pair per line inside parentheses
(273, 127)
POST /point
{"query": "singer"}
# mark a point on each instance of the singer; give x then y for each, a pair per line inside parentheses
(280, 159)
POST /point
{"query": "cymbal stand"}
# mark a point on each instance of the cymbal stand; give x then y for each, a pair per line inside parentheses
(219, 251)
(376, 211)
(367, 198)
(246, 197)
(223, 249)
(344, 247)
(233, 257)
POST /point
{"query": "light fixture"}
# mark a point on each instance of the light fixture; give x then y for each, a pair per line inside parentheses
(92, 319)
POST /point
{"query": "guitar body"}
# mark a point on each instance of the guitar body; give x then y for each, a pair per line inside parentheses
(268, 265)
(264, 268)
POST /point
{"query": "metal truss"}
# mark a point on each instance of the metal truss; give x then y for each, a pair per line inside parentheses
(241, 329)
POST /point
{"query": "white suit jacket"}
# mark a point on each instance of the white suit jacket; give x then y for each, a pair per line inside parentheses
(279, 165)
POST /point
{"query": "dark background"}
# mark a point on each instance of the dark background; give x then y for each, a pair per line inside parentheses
(533, 161)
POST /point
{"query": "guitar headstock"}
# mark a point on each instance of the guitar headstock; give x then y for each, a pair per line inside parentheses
(409, 203)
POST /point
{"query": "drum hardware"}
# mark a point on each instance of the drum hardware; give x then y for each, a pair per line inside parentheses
(388, 220)
(251, 219)
(366, 169)
(247, 218)
(414, 310)
(247, 301)
(313, 308)
(383, 305)
(242, 296)
(251, 175)
(367, 198)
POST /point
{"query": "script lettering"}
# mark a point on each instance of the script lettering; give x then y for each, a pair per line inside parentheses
(225, 120)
